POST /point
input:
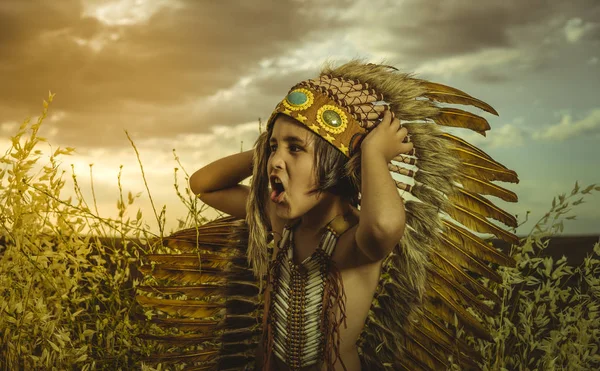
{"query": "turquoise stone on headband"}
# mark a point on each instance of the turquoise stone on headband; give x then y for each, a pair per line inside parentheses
(297, 98)
(332, 118)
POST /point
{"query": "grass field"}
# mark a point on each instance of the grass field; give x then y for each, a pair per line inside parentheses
(68, 278)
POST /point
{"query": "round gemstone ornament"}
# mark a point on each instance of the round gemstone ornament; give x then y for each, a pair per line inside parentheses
(299, 99)
(332, 119)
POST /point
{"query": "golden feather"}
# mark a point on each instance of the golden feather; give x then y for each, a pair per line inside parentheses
(460, 276)
(433, 326)
(205, 260)
(189, 324)
(425, 353)
(186, 275)
(187, 308)
(462, 119)
(447, 94)
(188, 357)
(458, 255)
(484, 187)
(475, 245)
(442, 305)
(184, 339)
(482, 206)
(457, 291)
(474, 158)
(478, 223)
(461, 143)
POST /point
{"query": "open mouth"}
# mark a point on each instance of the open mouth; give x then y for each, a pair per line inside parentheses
(278, 190)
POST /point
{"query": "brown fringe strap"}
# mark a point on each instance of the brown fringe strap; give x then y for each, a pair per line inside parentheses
(269, 312)
(334, 297)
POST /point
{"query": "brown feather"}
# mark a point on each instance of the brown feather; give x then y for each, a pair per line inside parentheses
(441, 348)
(205, 260)
(433, 326)
(475, 245)
(183, 339)
(489, 174)
(447, 94)
(442, 305)
(188, 324)
(484, 187)
(173, 358)
(202, 291)
(424, 353)
(460, 256)
(478, 223)
(194, 275)
(458, 292)
(199, 291)
(461, 143)
(482, 206)
(460, 276)
(462, 119)
(188, 308)
(474, 158)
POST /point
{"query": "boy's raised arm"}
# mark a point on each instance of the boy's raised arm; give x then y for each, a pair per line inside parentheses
(224, 173)
(217, 184)
(382, 214)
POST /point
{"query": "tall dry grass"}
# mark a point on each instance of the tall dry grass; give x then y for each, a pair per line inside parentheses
(67, 287)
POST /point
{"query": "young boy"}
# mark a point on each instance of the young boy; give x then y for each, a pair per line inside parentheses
(327, 149)
(359, 251)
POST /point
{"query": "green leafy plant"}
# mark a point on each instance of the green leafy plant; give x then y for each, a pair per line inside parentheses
(548, 319)
(67, 277)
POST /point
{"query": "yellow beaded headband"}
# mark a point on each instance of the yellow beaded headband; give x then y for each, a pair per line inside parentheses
(341, 111)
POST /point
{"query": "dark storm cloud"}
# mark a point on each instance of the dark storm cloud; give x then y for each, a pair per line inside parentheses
(433, 29)
(176, 55)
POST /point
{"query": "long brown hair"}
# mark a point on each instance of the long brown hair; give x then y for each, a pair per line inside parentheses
(335, 173)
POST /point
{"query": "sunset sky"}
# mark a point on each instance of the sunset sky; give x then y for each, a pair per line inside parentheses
(195, 76)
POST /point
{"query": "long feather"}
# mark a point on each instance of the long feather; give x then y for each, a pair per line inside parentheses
(184, 339)
(442, 349)
(197, 356)
(433, 326)
(478, 223)
(189, 324)
(460, 276)
(425, 353)
(443, 306)
(482, 206)
(196, 260)
(459, 142)
(458, 292)
(473, 158)
(475, 245)
(195, 275)
(202, 291)
(484, 187)
(460, 256)
(489, 174)
(447, 94)
(188, 308)
(462, 119)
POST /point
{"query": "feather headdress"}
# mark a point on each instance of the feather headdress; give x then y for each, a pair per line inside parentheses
(429, 278)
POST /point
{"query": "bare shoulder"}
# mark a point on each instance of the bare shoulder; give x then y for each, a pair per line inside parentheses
(349, 254)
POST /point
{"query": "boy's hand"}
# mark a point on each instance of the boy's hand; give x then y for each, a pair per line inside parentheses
(387, 138)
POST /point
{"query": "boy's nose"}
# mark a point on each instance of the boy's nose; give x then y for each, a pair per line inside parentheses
(277, 160)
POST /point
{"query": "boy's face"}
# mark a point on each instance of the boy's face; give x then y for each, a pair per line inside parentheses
(291, 160)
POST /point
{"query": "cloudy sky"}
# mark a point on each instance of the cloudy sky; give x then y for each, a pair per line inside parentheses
(195, 77)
